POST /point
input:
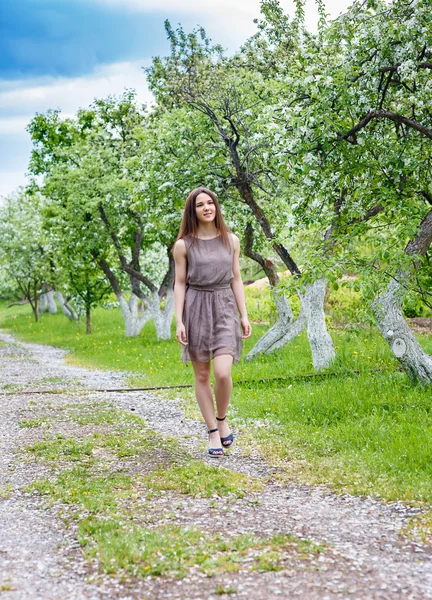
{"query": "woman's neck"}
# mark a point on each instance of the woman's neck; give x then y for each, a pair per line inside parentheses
(207, 231)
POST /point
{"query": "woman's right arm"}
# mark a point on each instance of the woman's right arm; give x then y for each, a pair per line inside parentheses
(180, 258)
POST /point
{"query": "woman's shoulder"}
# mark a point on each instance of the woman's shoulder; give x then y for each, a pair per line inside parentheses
(180, 246)
(235, 239)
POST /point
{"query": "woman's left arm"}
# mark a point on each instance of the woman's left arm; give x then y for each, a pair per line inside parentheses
(238, 289)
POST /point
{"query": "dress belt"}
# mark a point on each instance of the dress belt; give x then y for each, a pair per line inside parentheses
(213, 288)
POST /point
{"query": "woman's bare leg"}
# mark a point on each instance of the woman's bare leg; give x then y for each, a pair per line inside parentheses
(223, 387)
(204, 396)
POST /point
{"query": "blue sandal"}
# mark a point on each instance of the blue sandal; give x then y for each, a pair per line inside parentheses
(215, 452)
(229, 438)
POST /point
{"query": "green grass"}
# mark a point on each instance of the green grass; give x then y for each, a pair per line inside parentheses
(197, 479)
(220, 590)
(172, 550)
(87, 415)
(368, 433)
(32, 423)
(61, 448)
(86, 487)
(419, 528)
(6, 492)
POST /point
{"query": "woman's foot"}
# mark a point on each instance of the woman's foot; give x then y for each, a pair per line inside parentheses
(214, 446)
(226, 436)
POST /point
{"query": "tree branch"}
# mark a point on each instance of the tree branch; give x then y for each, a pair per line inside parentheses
(383, 95)
(138, 236)
(266, 264)
(112, 234)
(109, 275)
(168, 281)
(394, 68)
(385, 114)
(139, 276)
(420, 244)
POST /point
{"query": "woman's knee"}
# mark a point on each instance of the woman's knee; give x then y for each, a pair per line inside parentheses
(222, 376)
(202, 375)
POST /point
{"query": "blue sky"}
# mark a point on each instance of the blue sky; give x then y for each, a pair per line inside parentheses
(64, 53)
(72, 38)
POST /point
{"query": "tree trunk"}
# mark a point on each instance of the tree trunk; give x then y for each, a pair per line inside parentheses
(277, 338)
(66, 308)
(323, 353)
(311, 316)
(395, 330)
(43, 302)
(52, 307)
(88, 320)
(19, 303)
(388, 310)
(267, 342)
(35, 302)
(163, 318)
(134, 322)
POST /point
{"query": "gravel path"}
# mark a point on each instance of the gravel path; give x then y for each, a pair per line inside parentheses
(366, 558)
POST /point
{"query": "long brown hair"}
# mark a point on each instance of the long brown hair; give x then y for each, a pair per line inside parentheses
(189, 224)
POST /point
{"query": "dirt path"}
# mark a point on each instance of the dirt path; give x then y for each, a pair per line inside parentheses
(365, 557)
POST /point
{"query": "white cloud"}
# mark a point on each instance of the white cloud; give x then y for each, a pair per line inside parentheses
(229, 10)
(14, 125)
(70, 94)
(9, 181)
(20, 102)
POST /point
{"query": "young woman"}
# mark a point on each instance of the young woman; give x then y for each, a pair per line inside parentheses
(208, 296)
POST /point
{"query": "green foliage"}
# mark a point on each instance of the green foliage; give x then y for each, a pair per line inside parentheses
(260, 304)
(24, 251)
(344, 304)
(80, 486)
(419, 528)
(414, 306)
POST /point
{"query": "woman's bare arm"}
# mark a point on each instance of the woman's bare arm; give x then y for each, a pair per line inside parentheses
(238, 289)
(180, 258)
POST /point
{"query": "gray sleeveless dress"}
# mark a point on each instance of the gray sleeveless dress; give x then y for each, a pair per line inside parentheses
(210, 313)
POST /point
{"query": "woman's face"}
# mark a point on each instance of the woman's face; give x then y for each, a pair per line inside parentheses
(205, 208)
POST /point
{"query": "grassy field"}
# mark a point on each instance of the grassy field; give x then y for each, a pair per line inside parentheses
(366, 433)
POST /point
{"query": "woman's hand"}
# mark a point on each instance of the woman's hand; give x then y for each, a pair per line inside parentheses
(181, 334)
(246, 327)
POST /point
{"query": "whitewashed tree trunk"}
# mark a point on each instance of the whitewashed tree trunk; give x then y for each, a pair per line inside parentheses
(323, 352)
(66, 308)
(52, 306)
(395, 330)
(43, 303)
(133, 320)
(311, 316)
(163, 318)
(266, 343)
